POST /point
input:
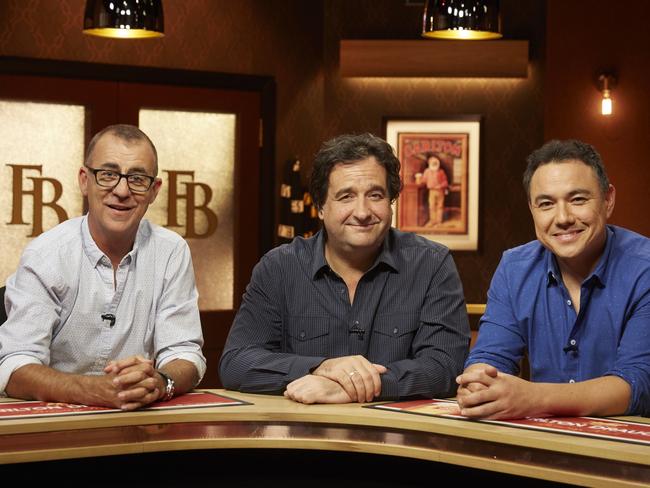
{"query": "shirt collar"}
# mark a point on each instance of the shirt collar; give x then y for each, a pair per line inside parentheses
(93, 252)
(598, 275)
(318, 262)
(600, 271)
(552, 270)
(386, 256)
(95, 255)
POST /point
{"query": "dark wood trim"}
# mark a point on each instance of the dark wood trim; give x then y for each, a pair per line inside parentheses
(433, 58)
(114, 72)
(267, 170)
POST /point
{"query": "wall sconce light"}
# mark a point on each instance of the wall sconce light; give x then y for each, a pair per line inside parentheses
(605, 84)
(462, 19)
(124, 19)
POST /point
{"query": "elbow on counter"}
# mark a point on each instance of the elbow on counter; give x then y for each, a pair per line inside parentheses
(229, 376)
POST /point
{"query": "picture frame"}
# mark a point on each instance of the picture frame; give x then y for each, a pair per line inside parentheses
(440, 174)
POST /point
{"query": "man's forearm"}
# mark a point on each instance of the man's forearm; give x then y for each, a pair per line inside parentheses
(183, 373)
(38, 382)
(608, 395)
(257, 370)
(486, 393)
(422, 376)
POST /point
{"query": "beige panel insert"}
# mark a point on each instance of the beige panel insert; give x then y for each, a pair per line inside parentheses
(41, 150)
(196, 158)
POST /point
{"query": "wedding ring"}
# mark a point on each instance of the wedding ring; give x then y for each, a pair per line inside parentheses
(352, 373)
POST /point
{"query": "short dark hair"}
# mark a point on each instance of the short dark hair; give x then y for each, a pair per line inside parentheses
(351, 148)
(557, 151)
(126, 132)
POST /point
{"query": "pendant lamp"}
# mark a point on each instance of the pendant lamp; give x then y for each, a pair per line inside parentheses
(462, 19)
(124, 19)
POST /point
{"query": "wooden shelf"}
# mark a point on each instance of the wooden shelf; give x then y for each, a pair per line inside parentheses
(434, 58)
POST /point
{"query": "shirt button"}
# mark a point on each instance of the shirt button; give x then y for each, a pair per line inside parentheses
(302, 334)
(568, 302)
(356, 322)
(395, 330)
(573, 342)
(572, 381)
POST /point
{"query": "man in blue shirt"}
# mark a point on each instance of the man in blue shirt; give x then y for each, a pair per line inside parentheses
(577, 301)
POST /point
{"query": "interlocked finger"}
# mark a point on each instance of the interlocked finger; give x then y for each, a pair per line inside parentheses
(358, 377)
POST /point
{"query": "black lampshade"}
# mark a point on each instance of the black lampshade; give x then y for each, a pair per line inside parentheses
(124, 18)
(462, 19)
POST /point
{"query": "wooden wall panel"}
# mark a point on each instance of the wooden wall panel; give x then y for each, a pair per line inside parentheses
(584, 38)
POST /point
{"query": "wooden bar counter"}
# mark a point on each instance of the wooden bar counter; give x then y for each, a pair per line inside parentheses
(272, 422)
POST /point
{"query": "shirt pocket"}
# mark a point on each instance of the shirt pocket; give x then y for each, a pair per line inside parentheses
(392, 336)
(308, 336)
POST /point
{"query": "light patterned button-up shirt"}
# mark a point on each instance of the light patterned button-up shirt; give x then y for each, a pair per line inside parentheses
(60, 300)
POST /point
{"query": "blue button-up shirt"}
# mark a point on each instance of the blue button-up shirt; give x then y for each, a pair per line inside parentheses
(529, 310)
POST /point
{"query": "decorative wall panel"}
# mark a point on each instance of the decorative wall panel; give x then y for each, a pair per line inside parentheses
(39, 163)
(196, 160)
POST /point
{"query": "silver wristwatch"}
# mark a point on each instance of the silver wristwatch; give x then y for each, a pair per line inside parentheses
(170, 387)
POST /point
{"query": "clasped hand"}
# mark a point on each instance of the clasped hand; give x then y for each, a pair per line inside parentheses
(134, 381)
(339, 380)
(485, 392)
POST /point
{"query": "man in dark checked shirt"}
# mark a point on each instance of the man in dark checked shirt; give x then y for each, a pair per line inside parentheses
(360, 311)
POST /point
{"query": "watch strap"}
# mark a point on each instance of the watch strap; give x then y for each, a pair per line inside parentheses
(170, 387)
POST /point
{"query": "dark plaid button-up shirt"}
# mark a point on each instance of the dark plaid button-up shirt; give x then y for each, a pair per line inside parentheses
(408, 314)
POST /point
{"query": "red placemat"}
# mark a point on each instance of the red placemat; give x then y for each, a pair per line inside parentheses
(602, 428)
(30, 409)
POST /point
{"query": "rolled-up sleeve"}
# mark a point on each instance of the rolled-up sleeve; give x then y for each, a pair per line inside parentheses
(178, 332)
(33, 312)
(632, 362)
(500, 341)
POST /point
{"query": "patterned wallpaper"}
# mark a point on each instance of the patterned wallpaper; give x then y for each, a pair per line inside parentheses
(573, 100)
(296, 42)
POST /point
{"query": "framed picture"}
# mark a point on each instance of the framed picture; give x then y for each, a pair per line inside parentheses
(440, 175)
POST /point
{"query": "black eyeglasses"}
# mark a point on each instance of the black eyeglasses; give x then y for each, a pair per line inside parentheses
(136, 182)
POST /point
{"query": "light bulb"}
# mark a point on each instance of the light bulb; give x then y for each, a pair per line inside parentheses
(606, 104)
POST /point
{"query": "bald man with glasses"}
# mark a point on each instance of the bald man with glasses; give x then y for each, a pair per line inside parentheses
(103, 308)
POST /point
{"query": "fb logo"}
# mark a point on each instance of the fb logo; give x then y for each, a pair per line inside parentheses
(19, 192)
(191, 207)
